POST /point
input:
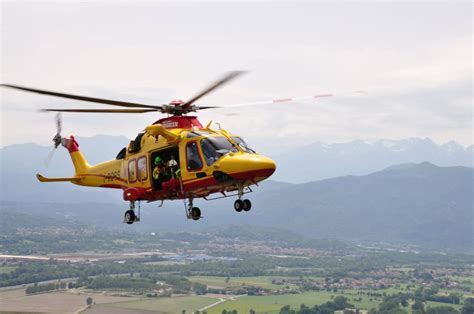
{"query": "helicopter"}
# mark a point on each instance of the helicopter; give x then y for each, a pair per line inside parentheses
(174, 158)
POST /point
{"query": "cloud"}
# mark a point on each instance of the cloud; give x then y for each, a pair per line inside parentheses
(414, 59)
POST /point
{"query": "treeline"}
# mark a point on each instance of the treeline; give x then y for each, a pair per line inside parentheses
(45, 287)
(145, 282)
(431, 294)
(121, 283)
(30, 272)
(339, 303)
(180, 284)
(390, 305)
(396, 303)
(36, 271)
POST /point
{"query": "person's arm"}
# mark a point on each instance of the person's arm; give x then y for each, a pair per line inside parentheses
(156, 173)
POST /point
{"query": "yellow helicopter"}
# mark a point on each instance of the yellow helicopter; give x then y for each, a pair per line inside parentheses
(174, 158)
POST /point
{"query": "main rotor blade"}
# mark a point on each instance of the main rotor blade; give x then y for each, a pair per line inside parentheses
(208, 107)
(82, 98)
(278, 100)
(103, 110)
(225, 79)
(294, 99)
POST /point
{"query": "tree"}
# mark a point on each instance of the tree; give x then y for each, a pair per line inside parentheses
(199, 288)
(468, 307)
(404, 302)
(341, 303)
(285, 310)
(455, 298)
(389, 304)
(89, 301)
(418, 307)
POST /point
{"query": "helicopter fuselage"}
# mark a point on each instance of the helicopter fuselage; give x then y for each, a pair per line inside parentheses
(196, 161)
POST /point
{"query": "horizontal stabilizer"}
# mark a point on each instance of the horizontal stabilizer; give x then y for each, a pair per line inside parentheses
(44, 179)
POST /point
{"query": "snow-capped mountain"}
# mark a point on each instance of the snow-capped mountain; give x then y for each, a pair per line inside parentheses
(322, 160)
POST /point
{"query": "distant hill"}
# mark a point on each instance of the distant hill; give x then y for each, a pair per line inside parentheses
(414, 204)
(320, 161)
(418, 204)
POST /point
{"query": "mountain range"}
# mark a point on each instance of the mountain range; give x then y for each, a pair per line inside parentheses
(322, 161)
(410, 203)
(19, 164)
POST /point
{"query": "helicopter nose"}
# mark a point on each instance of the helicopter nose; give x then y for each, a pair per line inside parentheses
(250, 167)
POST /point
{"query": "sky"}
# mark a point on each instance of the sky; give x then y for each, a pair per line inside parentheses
(413, 60)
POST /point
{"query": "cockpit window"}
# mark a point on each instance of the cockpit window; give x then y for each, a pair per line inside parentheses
(196, 133)
(192, 156)
(214, 147)
(242, 144)
(192, 134)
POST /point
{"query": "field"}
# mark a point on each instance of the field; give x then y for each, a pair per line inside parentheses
(259, 281)
(164, 305)
(434, 304)
(273, 304)
(59, 302)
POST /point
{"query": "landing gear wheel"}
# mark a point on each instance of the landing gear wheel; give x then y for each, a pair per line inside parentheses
(247, 205)
(195, 213)
(130, 217)
(238, 205)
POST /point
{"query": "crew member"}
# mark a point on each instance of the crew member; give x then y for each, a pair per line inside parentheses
(159, 168)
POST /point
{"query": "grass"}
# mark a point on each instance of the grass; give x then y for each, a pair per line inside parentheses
(273, 304)
(259, 281)
(166, 305)
(7, 269)
(435, 304)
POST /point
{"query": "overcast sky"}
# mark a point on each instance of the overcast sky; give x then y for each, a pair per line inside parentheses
(413, 59)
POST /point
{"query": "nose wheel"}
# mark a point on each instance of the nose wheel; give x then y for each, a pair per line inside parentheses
(244, 205)
(240, 204)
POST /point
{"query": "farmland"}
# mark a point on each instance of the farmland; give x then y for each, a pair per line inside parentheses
(228, 282)
(216, 270)
(60, 302)
(273, 304)
(165, 305)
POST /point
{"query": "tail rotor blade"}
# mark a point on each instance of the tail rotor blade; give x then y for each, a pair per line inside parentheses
(48, 159)
(58, 123)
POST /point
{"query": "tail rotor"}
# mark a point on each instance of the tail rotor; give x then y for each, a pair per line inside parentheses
(57, 137)
(56, 140)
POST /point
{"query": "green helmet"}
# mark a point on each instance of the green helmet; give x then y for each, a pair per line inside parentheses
(158, 160)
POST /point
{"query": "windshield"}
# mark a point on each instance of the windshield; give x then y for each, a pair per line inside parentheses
(242, 144)
(214, 147)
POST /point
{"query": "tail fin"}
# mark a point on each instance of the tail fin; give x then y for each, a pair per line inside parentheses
(81, 165)
(44, 179)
